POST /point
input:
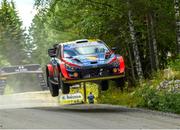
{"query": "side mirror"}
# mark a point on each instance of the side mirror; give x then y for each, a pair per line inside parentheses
(113, 49)
(55, 45)
(52, 52)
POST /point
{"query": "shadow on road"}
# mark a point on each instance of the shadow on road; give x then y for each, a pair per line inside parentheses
(103, 108)
(86, 108)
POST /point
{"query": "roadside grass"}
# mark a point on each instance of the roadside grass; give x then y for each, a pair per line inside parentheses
(175, 66)
(115, 96)
(153, 99)
(112, 96)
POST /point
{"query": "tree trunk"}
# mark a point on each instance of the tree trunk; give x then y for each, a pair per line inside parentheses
(131, 64)
(176, 7)
(135, 48)
(149, 43)
(154, 43)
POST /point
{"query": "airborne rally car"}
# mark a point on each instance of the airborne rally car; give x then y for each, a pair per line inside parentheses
(83, 61)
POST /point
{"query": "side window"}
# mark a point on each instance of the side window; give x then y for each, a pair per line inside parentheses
(69, 53)
(59, 51)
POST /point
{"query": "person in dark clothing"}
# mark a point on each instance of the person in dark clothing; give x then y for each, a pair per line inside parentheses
(91, 98)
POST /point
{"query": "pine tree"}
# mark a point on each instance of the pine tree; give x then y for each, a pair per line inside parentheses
(12, 34)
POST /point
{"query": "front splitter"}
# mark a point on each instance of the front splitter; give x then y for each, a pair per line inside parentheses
(92, 79)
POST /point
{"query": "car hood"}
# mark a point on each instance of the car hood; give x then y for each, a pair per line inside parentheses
(94, 59)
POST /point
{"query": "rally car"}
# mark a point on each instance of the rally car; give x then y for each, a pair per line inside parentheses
(83, 61)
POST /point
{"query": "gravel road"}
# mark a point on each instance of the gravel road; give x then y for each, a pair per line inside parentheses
(42, 113)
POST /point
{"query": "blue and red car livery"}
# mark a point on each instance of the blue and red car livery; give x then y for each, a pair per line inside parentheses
(83, 61)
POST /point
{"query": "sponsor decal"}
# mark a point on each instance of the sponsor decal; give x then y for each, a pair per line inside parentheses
(74, 45)
(71, 98)
(92, 58)
(75, 86)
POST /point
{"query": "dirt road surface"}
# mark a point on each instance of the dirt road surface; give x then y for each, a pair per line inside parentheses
(40, 110)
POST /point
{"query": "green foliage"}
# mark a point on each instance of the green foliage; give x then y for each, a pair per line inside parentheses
(175, 64)
(149, 95)
(116, 97)
(43, 33)
(12, 38)
(3, 61)
(158, 100)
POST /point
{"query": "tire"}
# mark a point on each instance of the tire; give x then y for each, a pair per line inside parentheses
(120, 83)
(54, 89)
(64, 87)
(104, 85)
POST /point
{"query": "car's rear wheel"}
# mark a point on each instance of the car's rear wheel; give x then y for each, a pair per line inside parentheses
(65, 88)
(104, 85)
(120, 83)
(54, 88)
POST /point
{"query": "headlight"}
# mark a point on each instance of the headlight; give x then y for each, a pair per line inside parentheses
(69, 67)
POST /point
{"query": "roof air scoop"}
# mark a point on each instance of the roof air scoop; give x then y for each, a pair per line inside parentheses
(81, 41)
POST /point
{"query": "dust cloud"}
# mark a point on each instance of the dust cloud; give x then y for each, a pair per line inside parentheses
(24, 91)
(22, 83)
(28, 100)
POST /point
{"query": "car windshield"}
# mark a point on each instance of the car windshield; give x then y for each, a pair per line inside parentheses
(84, 50)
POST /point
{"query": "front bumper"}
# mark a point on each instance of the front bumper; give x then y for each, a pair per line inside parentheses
(94, 71)
(72, 81)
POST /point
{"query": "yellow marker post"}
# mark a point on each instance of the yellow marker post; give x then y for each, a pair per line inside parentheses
(84, 89)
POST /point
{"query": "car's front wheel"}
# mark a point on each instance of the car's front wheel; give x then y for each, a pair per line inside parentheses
(65, 88)
(54, 88)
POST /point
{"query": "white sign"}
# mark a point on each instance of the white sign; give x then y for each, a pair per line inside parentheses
(71, 98)
(21, 69)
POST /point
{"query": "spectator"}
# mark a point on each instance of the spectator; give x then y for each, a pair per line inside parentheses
(91, 98)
